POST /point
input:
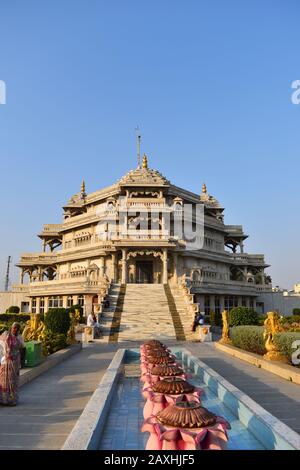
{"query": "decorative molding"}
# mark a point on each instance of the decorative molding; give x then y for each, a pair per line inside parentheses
(133, 254)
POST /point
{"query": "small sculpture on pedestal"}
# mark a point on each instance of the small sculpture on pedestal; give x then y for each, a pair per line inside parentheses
(34, 329)
(272, 326)
(225, 331)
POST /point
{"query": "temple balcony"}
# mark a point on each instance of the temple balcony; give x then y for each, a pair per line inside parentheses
(220, 286)
(63, 286)
(51, 230)
(33, 259)
(247, 259)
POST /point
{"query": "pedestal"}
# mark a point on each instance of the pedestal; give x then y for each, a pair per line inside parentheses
(205, 334)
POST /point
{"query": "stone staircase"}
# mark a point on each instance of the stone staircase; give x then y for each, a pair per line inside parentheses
(107, 317)
(145, 314)
(142, 311)
(186, 318)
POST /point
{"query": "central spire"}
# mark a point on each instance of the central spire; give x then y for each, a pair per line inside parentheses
(138, 143)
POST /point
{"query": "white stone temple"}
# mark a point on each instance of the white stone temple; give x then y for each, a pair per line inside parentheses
(127, 233)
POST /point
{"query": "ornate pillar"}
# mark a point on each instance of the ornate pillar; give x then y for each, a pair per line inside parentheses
(165, 266)
(102, 266)
(175, 259)
(124, 266)
(38, 304)
(65, 297)
(212, 303)
(113, 271)
(21, 276)
(46, 305)
(222, 303)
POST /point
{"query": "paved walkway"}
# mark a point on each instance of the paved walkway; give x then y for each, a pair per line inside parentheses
(50, 405)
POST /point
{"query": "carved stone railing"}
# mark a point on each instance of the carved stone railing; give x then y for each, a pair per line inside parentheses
(185, 288)
(38, 258)
(248, 259)
(245, 286)
(23, 288)
(52, 228)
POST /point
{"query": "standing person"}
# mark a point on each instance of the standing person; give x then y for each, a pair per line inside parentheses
(10, 344)
(92, 322)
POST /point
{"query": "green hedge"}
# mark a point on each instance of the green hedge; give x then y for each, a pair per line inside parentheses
(13, 309)
(284, 342)
(242, 316)
(291, 319)
(250, 338)
(11, 317)
(53, 342)
(57, 320)
(215, 318)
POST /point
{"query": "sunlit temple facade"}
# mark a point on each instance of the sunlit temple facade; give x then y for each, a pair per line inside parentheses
(90, 246)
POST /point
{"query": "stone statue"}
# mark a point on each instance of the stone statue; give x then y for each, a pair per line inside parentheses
(225, 331)
(71, 335)
(272, 326)
(34, 329)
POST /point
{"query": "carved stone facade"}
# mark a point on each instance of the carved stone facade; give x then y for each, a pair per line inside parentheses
(90, 246)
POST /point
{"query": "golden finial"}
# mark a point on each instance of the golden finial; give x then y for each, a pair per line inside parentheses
(83, 188)
(145, 162)
(204, 190)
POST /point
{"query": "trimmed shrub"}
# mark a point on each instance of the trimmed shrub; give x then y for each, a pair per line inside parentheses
(13, 309)
(284, 342)
(53, 342)
(296, 311)
(261, 319)
(3, 327)
(215, 318)
(57, 320)
(250, 338)
(212, 318)
(291, 319)
(242, 316)
(11, 317)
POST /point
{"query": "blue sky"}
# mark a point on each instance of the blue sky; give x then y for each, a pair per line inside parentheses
(208, 82)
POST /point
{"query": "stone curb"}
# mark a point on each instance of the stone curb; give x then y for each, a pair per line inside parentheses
(28, 374)
(285, 371)
(86, 433)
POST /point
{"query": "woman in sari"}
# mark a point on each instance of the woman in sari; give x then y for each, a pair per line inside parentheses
(10, 344)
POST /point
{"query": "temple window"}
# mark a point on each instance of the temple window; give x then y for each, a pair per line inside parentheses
(207, 304)
(69, 301)
(55, 301)
(42, 305)
(81, 300)
(33, 305)
(217, 305)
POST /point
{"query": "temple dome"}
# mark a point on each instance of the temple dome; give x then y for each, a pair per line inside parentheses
(144, 176)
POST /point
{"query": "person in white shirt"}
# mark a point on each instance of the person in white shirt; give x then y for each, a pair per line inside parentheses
(92, 322)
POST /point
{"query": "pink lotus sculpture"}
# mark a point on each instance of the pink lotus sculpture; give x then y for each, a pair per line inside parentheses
(193, 428)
